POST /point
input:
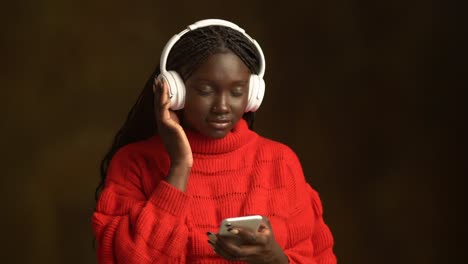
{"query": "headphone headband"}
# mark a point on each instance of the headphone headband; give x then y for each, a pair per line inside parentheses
(206, 23)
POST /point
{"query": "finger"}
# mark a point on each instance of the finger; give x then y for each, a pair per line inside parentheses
(237, 252)
(226, 253)
(163, 92)
(164, 102)
(266, 221)
(213, 242)
(157, 88)
(221, 252)
(228, 244)
(247, 236)
(212, 237)
(264, 226)
(156, 85)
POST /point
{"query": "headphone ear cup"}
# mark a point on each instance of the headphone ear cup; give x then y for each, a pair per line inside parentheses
(176, 89)
(256, 93)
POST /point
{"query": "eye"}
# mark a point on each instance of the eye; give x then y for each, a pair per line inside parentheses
(204, 90)
(237, 92)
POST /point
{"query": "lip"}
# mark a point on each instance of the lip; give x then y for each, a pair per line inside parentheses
(219, 123)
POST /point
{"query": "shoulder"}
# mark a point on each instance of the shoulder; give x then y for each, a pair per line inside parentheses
(141, 147)
(140, 151)
(285, 157)
(277, 150)
(279, 155)
(136, 161)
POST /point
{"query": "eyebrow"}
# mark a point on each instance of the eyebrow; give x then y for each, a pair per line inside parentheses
(241, 82)
(203, 80)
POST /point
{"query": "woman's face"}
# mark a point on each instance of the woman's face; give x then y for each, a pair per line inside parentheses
(216, 95)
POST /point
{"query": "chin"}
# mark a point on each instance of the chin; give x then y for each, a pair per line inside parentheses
(214, 133)
(217, 135)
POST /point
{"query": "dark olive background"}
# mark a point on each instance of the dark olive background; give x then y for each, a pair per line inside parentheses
(368, 93)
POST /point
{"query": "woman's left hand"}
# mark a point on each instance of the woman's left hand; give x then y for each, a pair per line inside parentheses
(258, 247)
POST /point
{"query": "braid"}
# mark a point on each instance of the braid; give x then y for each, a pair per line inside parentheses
(188, 53)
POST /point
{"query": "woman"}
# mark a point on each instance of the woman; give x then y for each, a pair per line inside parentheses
(186, 158)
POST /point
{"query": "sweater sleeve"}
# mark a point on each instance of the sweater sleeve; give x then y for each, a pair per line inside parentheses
(318, 248)
(311, 244)
(322, 238)
(133, 228)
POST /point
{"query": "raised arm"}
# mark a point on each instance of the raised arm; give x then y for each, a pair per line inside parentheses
(132, 228)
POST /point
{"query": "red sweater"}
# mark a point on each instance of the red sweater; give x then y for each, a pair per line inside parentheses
(141, 219)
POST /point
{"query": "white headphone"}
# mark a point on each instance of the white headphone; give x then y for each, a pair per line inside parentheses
(177, 86)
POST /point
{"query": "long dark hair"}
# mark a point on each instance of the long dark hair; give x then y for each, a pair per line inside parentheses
(188, 53)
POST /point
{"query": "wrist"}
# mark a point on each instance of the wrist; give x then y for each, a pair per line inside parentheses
(181, 161)
(178, 176)
(283, 259)
(181, 164)
(280, 256)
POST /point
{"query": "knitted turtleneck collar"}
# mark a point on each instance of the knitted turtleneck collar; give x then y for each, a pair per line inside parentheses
(239, 136)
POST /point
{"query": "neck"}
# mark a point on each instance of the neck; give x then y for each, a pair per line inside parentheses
(236, 138)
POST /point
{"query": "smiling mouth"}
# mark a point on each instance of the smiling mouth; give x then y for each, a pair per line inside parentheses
(219, 124)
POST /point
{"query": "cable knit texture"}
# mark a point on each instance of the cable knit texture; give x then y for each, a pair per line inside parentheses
(140, 218)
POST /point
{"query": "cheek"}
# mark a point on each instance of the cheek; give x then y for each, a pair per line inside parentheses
(239, 104)
(192, 102)
(194, 109)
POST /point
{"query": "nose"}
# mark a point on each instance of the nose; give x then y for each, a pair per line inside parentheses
(221, 104)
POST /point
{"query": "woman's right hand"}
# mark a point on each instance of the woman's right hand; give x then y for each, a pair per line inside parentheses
(173, 136)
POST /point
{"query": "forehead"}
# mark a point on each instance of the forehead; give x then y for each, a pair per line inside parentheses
(221, 66)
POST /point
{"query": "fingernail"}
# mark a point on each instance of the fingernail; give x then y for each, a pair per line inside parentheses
(208, 233)
(233, 231)
(228, 224)
(210, 242)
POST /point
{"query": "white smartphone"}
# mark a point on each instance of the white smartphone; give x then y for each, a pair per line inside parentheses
(251, 222)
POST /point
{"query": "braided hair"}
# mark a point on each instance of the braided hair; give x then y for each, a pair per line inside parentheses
(191, 50)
